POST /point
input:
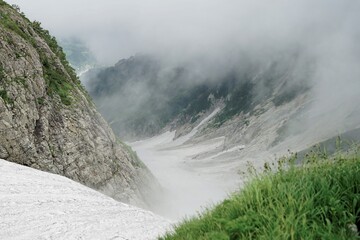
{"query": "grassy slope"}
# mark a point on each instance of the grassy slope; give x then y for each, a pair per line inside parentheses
(318, 200)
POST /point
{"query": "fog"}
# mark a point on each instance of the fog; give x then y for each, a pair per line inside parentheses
(214, 36)
(214, 32)
(186, 29)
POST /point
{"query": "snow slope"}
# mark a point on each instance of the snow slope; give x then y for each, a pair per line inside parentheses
(190, 185)
(40, 205)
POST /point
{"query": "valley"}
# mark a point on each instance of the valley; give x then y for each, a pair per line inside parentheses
(170, 120)
(189, 185)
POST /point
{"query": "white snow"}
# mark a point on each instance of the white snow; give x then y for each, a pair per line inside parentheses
(40, 205)
(190, 184)
(188, 136)
(233, 149)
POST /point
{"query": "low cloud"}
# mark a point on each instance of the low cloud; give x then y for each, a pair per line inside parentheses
(212, 34)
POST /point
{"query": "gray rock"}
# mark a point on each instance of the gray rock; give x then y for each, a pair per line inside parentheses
(38, 130)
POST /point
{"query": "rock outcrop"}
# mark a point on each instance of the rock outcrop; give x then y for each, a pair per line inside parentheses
(48, 121)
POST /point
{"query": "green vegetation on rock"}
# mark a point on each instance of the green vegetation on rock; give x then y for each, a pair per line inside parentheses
(132, 154)
(318, 199)
(7, 22)
(5, 97)
(55, 48)
(2, 73)
(40, 100)
(56, 80)
(78, 54)
(240, 101)
(59, 82)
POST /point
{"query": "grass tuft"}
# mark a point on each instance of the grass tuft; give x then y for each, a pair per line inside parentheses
(5, 97)
(317, 199)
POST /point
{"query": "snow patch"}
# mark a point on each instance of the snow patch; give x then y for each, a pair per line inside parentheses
(187, 137)
(230, 150)
(40, 205)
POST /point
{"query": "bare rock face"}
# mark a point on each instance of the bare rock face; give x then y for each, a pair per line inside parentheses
(48, 122)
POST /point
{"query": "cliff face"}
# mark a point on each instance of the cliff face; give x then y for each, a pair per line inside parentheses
(48, 122)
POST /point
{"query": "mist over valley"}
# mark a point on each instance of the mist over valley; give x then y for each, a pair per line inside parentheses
(195, 96)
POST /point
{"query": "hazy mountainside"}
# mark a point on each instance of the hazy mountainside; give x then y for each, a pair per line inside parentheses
(141, 96)
(211, 123)
(48, 122)
(78, 55)
(264, 104)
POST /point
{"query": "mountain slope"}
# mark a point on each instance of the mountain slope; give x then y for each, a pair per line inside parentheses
(39, 205)
(266, 108)
(48, 122)
(265, 103)
(141, 96)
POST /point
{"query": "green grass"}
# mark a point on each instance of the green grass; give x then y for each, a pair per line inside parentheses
(132, 154)
(55, 48)
(317, 199)
(9, 23)
(56, 80)
(5, 97)
(2, 73)
(21, 80)
(40, 100)
(57, 83)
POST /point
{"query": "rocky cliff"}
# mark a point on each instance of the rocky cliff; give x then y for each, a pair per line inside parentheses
(48, 122)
